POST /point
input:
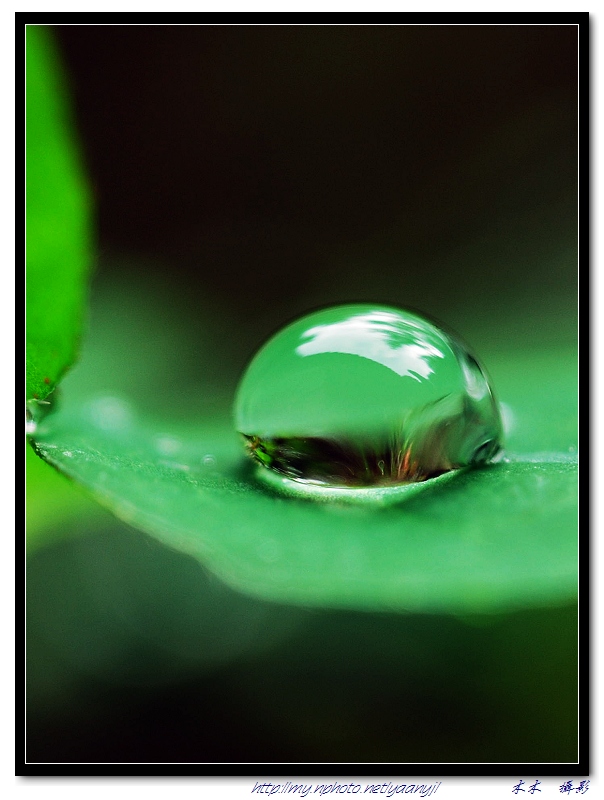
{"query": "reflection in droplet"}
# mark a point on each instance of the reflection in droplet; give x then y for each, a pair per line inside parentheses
(360, 395)
(386, 346)
(508, 418)
(209, 460)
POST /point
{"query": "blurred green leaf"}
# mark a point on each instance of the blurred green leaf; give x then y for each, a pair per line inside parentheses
(53, 503)
(58, 221)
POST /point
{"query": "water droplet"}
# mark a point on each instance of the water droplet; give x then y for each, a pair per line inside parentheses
(36, 411)
(209, 460)
(508, 418)
(363, 395)
(111, 413)
(168, 445)
(68, 453)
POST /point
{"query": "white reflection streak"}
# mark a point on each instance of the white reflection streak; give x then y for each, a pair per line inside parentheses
(351, 337)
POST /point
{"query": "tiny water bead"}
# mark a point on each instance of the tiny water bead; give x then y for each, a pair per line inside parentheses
(36, 410)
(366, 395)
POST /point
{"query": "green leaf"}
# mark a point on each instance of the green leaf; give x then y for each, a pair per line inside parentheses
(54, 503)
(485, 540)
(481, 540)
(58, 221)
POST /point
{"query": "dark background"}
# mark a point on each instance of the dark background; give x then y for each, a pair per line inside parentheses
(262, 171)
(276, 168)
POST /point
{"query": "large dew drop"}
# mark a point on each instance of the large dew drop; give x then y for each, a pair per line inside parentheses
(365, 395)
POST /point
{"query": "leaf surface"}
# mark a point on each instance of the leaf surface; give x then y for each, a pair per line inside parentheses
(483, 540)
(479, 540)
